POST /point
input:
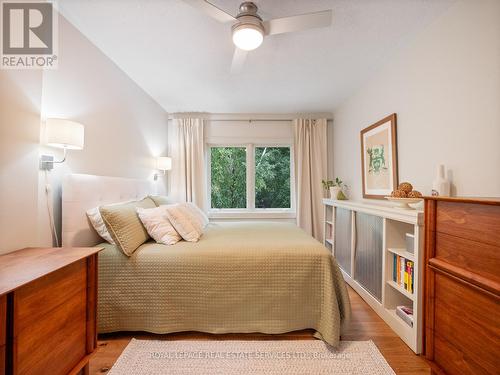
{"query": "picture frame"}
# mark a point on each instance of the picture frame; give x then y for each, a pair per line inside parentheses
(379, 158)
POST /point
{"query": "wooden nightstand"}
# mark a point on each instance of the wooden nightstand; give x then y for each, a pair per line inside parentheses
(48, 299)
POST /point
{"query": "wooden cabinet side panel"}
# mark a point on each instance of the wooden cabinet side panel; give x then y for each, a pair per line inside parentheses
(3, 333)
(54, 339)
(91, 321)
(3, 319)
(36, 299)
(428, 300)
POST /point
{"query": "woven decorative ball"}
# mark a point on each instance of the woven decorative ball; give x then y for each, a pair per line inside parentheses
(398, 194)
(405, 186)
(414, 194)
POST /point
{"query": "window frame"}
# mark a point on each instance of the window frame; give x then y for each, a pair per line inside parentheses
(251, 212)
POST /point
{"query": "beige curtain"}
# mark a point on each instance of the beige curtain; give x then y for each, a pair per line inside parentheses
(187, 146)
(310, 156)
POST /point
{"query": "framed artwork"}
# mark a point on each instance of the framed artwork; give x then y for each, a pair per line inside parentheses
(379, 159)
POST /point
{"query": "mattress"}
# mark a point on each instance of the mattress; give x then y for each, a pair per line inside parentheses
(240, 277)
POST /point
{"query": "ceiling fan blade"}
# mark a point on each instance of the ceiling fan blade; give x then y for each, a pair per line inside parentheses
(239, 58)
(298, 23)
(211, 10)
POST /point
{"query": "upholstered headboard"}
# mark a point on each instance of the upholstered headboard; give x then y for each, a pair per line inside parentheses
(81, 192)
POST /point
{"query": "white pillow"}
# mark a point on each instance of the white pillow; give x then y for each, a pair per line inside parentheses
(96, 220)
(198, 214)
(158, 226)
(184, 222)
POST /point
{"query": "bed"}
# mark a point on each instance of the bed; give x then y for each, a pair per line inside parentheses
(264, 277)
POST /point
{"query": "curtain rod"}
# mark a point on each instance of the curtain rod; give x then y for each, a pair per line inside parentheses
(251, 120)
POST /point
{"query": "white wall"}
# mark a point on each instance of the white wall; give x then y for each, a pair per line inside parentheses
(20, 93)
(445, 89)
(242, 132)
(124, 129)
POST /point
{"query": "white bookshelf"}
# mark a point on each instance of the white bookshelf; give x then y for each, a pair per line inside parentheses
(395, 223)
(402, 252)
(401, 290)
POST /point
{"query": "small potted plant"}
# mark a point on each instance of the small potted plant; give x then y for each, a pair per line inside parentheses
(327, 185)
(336, 188)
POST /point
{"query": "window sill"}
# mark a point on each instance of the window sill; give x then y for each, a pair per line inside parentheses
(252, 214)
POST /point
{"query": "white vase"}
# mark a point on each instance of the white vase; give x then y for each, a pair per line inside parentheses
(334, 192)
(441, 185)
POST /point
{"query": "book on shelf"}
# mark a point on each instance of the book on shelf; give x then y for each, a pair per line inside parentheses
(395, 268)
(409, 273)
(406, 314)
(403, 272)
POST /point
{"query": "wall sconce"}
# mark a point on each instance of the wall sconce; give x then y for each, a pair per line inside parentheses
(65, 134)
(163, 163)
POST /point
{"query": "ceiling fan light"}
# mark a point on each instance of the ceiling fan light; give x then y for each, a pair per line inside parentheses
(247, 37)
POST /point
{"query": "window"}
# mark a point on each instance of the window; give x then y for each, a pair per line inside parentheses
(251, 178)
(228, 177)
(272, 177)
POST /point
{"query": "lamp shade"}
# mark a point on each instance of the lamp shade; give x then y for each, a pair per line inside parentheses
(64, 134)
(247, 37)
(164, 163)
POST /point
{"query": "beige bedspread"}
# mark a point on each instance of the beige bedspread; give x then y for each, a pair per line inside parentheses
(240, 277)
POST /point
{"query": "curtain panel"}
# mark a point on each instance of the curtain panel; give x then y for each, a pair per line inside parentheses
(188, 161)
(310, 158)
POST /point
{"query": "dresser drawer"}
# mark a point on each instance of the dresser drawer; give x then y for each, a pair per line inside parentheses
(50, 322)
(466, 327)
(479, 223)
(472, 256)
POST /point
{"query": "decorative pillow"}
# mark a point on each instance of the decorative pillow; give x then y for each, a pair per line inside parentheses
(184, 223)
(160, 200)
(198, 214)
(95, 219)
(124, 225)
(158, 226)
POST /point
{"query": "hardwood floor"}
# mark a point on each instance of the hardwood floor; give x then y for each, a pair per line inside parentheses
(365, 325)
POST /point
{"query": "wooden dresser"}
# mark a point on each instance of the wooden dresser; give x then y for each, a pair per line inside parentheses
(48, 302)
(462, 285)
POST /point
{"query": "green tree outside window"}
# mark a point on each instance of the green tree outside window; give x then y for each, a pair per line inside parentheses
(229, 183)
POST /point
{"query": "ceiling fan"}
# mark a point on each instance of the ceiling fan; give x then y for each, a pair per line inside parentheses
(249, 29)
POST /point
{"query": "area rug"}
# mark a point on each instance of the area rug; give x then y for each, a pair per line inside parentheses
(250, 357)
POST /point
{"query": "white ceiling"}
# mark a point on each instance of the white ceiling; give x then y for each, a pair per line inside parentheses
(182, 58)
